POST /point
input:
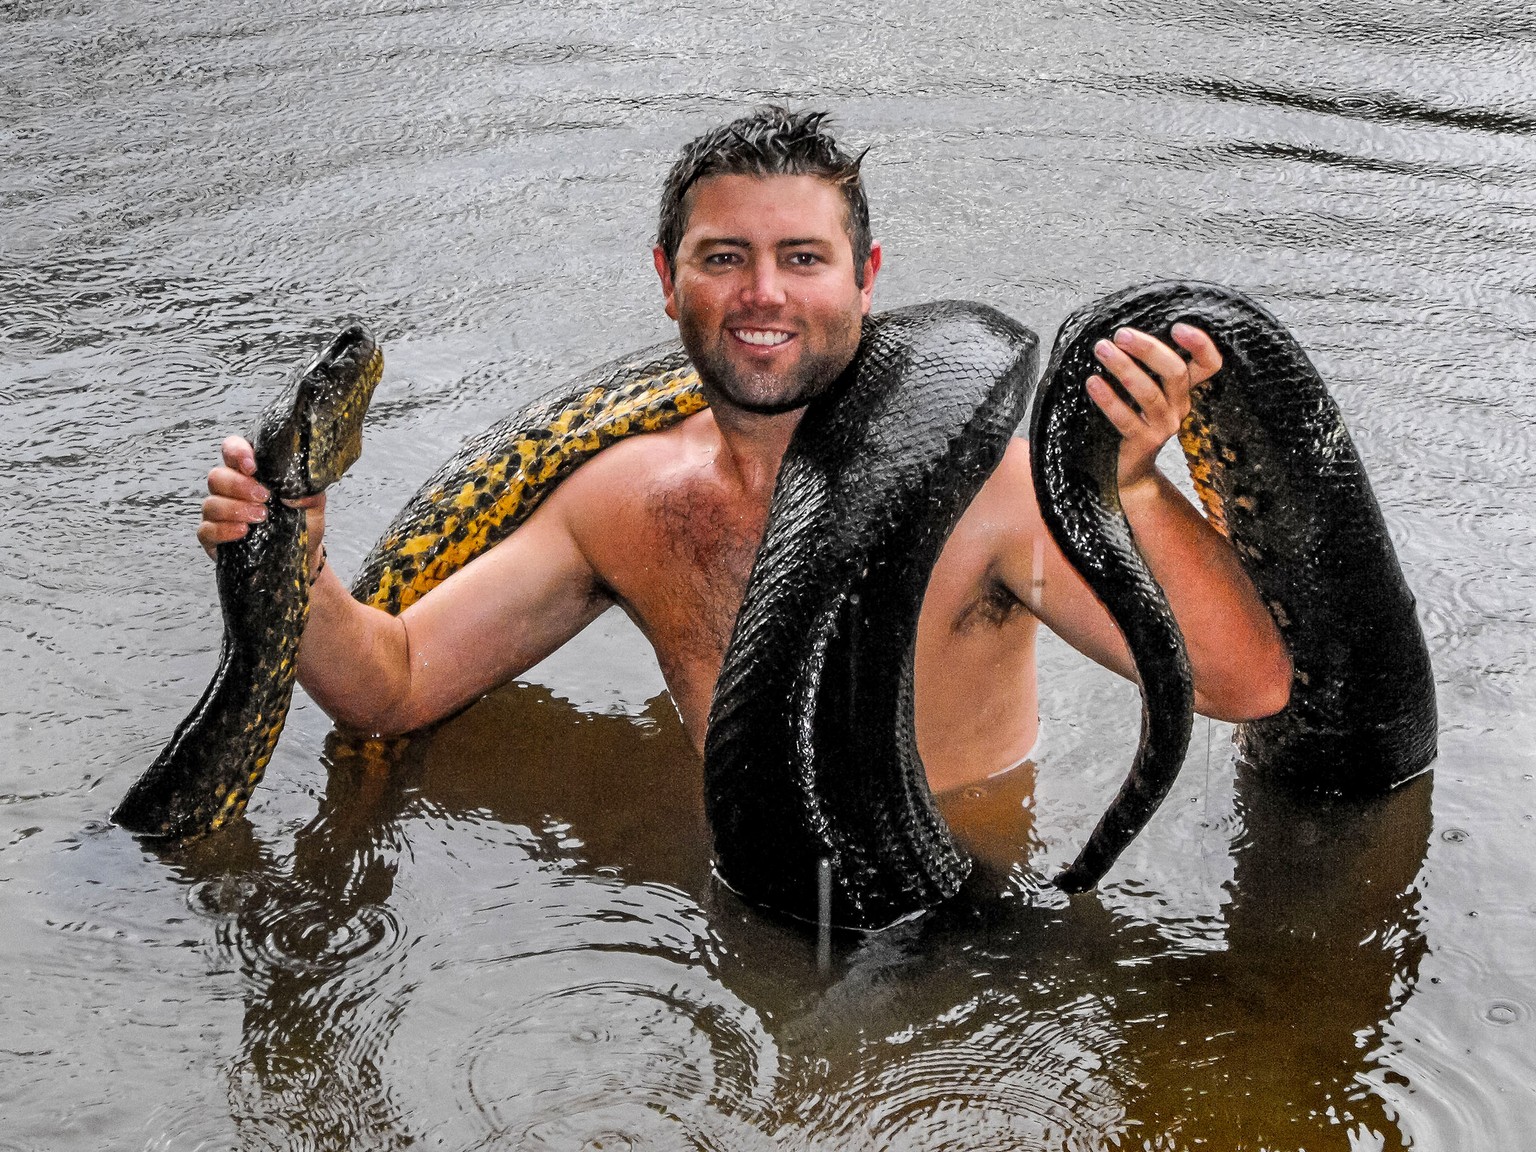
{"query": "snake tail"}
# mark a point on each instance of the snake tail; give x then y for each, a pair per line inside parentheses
(1276, 470)
(810, 753)
(1074, 457)
(304, 441)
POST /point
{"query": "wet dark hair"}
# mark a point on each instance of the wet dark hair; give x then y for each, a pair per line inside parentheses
(771, 141)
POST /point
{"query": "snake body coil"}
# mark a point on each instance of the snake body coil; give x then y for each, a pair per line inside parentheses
(1278, 474)
(810, 756)
(494, 483)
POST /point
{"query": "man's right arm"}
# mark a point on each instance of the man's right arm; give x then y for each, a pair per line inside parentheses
(487, 623)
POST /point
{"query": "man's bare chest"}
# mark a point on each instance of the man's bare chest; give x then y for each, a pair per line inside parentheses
(675, 546)
(681, 569)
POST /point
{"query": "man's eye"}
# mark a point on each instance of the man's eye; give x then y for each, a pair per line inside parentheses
(722, 259)
(804, 259)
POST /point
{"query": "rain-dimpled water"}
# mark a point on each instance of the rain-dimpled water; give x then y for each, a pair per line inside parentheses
(510, 937)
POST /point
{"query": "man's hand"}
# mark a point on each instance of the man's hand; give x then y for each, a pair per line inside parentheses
(235, 501)
(1158, 379)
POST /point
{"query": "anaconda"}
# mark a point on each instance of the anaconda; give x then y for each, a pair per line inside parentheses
(494, 483)
(1274, 466)
(874, 479)
(304, 441)
(849, 545)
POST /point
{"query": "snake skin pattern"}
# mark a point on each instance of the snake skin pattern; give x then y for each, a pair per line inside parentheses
(496, 481)
(1278, 474)
(303, 442)
(810, 756)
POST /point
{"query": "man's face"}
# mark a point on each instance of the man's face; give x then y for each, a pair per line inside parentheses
(763, 290)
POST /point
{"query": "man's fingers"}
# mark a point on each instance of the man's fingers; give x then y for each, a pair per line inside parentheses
(1155, 356)
(226, 481)
(1127, 421)
(224, 510)
(1146, 393)
(1154, 377)
(238, 454)
(1205, 357)
(211, 534)
(235, 500)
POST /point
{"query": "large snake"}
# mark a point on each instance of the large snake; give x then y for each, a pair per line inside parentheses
(1276, 470)
(810, 761)
(304, 441)
(810, 753)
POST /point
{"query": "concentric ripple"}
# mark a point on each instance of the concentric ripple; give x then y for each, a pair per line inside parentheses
(322, 998)
(321, 1005)
(182, 1126)
(618, 1064)
(1030, 1080)
(312, 938)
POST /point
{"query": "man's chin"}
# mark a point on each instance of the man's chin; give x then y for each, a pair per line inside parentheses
(766, 394)
(766, 406)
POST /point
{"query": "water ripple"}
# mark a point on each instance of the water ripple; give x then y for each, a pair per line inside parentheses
(1449, 1105)
(321, 1003)
(311, 938)
(197, 191)
(1027, 1080)
(659, 1067)
(185, 1126)
(1416, 167)
(1383, 107)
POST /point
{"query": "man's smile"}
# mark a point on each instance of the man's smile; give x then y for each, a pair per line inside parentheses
(762, 337)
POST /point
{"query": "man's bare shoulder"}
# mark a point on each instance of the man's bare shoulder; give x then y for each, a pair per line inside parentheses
(622, 483)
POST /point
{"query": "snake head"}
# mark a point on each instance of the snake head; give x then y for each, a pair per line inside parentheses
(313, 432)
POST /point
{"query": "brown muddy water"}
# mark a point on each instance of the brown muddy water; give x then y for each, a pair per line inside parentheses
(512, 940)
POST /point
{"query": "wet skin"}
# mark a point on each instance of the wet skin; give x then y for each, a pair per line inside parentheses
(667, 525)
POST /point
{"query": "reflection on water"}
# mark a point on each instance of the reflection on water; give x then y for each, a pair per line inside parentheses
(641, 1005)
(505, 933)
(642, 1047)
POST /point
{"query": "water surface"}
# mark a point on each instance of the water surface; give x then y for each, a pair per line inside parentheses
(511, 939)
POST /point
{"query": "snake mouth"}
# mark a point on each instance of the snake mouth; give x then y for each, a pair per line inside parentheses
(349, 350)
(334, 393)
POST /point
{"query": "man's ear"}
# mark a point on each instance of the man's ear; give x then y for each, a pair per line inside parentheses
(664, 270)
(871, 269)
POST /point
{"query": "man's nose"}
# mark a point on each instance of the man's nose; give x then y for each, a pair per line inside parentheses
(764, 284)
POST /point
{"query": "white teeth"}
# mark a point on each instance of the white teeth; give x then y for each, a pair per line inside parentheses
(764, 338)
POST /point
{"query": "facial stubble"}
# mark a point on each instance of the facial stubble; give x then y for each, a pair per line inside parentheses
(766, 392)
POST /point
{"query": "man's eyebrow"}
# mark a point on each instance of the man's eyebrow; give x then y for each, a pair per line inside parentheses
(740, 242)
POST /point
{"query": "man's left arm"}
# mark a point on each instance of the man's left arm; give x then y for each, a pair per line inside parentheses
(1240, 664)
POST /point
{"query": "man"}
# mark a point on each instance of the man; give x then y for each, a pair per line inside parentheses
(766, 263)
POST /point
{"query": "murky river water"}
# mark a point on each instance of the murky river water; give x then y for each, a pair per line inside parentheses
(513, 942)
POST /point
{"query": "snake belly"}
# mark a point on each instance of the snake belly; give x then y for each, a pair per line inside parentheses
(810, 753)
(1276, 470)
(304, 441)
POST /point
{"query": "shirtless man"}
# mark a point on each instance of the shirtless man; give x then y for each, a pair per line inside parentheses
(766, 264)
